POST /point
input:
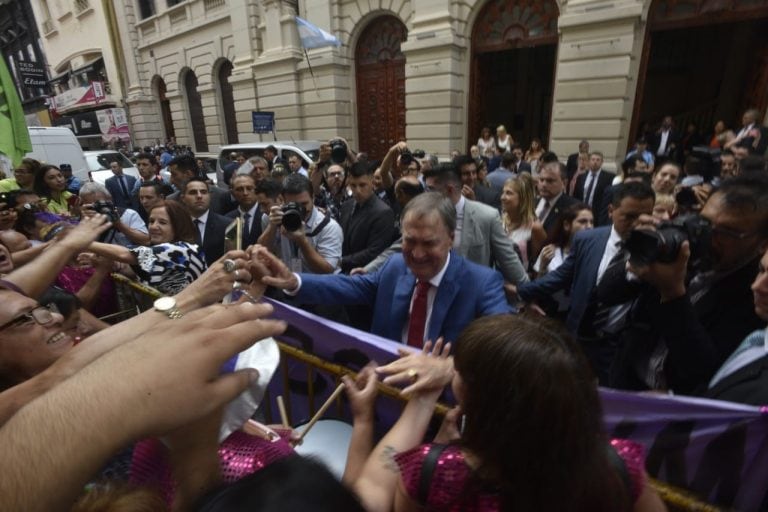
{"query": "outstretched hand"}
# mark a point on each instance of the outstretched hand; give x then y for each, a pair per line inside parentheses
(202, 341)
(86, 232)
(429, 370)
(267, 268)
(361, 393)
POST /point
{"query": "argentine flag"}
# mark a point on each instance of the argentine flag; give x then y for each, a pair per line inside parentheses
(313, 36)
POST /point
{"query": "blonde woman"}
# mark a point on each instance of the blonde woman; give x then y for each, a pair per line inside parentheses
(518, 204)
(503, 140)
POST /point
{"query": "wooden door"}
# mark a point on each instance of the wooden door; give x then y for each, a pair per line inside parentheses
(380, 86)
(513, 68)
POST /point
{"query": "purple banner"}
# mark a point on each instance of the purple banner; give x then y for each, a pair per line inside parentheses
(717, 450)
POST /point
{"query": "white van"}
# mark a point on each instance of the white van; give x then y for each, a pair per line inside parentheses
(56, 146)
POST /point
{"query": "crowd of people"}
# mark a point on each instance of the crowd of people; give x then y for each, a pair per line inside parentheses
(520, 280)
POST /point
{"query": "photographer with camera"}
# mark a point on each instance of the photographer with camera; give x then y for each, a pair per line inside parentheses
(128, 228)
(329, 176)
(695, 313)
(299, 233)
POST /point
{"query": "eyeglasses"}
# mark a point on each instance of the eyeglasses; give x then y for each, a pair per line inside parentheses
(42, 315)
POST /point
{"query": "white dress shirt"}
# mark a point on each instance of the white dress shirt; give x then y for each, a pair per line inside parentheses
(591, 176)
(663, 143)
(431, 294)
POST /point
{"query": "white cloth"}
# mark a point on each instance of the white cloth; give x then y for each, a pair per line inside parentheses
(431, 294)
(557, 259)
(459, 222)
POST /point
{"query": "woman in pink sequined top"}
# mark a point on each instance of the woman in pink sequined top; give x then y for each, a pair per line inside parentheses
(532, 436)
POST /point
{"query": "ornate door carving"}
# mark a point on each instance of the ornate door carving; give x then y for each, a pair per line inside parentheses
(380, 86)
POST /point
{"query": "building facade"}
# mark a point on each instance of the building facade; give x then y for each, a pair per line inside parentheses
(19, 45)
(436, 71)
(84, 63)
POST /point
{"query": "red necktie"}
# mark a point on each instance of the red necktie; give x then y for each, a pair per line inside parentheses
(418, 315)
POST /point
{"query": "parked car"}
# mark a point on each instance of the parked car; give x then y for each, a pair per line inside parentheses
(99, 162)
(58, 145)
(307, 150)
(209, 161)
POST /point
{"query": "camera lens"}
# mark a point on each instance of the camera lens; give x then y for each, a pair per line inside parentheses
(293, 215)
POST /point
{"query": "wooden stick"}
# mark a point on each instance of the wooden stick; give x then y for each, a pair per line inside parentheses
(283, 414)
(322, 410)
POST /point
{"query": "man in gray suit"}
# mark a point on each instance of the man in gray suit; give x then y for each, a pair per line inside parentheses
(479, 235)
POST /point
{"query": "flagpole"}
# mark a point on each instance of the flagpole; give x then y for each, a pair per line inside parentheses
(311, 72)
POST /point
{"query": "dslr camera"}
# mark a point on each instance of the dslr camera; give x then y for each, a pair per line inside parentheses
(663, 244)
(406, 157)
(293, 216)
(338, 151)
(106, 208)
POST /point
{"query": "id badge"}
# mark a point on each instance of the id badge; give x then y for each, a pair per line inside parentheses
(296, 265)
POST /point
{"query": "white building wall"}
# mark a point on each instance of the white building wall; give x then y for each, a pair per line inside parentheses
(599, 51)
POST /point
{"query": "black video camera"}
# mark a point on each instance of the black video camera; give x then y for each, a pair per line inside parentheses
(106, 208)
(293, 216)
(663, 244)
(338, 151)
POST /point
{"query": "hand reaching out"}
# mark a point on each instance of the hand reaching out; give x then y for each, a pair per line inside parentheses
(361, 393)
(429, 370)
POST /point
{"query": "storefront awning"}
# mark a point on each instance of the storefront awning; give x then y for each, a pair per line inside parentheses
(89, 66)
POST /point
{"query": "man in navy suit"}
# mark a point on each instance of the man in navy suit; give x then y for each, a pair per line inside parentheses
(243, 188)
(424, 293)
(592, 253)
(120, 186)
(210, 225)
(591, 185)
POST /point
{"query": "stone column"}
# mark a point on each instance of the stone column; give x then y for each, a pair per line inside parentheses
(598, 61)
(434, 79)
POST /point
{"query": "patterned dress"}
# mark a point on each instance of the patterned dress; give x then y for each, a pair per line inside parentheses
(168, 267)
(451, 475)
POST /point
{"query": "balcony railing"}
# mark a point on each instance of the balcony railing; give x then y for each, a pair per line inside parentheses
(214, 4)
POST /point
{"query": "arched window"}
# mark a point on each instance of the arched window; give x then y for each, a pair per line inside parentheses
(165, 108)
(195, 111)
(228, 103)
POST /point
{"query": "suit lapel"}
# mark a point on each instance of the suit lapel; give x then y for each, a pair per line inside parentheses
(444, 297)
(595, 253)
(401, 303)
(749, 372)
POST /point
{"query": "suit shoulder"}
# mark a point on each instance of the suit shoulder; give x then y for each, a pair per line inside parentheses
(233, 214)
(591, 234)
(481, 208)
(463, 267)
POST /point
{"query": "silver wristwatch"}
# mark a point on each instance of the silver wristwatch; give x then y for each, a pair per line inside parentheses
(167, 306)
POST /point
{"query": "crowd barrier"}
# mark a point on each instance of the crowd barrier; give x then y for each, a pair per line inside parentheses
(722, 445)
